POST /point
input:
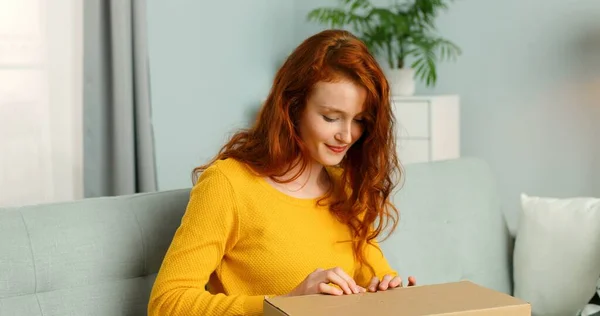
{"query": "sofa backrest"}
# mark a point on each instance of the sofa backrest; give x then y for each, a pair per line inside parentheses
(90, 257)
(451, 226)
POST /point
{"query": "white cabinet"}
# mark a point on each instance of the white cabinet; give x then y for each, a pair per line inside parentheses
(428, 127)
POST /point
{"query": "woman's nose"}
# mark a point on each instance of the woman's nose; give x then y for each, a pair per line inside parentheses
(345, 135)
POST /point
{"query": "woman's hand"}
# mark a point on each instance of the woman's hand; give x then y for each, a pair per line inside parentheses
(388, 282)
(318, 283)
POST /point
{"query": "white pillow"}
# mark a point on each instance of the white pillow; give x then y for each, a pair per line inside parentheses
(557, 253)
(592, 309)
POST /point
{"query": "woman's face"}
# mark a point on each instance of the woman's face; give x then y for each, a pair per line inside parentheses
(332, 120)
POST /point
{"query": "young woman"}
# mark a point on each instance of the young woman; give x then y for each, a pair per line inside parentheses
(293, 205)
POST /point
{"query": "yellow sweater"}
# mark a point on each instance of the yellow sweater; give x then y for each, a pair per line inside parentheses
(245, 239)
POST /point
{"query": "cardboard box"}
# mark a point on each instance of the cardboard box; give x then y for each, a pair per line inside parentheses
(457, 298)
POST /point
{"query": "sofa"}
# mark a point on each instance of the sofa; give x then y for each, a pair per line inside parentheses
(100, 256)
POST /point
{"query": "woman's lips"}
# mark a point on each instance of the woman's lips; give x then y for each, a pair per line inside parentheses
(336, 149)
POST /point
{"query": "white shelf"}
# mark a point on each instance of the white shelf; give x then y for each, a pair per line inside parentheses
(428, 127)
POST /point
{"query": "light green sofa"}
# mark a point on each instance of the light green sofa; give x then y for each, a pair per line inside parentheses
(100, 256)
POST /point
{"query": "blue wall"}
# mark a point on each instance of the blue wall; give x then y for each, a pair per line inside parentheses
(211, 64)
(524, 80)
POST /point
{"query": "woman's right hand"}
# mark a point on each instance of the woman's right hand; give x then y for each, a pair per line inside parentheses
(318, 283)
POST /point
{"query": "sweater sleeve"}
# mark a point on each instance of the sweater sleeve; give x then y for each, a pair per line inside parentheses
(208, 229)
(374, 256)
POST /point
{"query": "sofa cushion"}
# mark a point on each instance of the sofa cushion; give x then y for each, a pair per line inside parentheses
(451, 226)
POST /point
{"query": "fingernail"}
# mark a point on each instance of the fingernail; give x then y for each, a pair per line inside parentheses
(355, 290)
(362, 289)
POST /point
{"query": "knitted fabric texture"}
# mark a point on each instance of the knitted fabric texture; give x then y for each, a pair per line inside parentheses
(243, 239)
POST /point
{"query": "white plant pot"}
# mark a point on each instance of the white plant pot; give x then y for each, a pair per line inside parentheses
(402, 81)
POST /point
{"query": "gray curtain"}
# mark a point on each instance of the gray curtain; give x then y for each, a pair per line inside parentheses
(118, 140)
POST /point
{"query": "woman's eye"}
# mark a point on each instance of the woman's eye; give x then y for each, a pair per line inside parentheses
(328, 119)
(359, 121)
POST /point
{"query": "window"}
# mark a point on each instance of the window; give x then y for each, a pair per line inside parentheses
(41, 55)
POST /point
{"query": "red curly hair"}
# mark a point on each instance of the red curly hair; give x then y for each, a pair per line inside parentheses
(272, 146)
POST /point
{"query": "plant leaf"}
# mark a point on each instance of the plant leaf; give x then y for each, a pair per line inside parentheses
(405, 28)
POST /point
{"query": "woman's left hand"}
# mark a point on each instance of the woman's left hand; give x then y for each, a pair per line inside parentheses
(388, 282)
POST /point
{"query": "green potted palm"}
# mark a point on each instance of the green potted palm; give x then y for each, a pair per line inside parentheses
(401, 33)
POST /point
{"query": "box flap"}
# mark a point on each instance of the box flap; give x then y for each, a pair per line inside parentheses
(439, 299)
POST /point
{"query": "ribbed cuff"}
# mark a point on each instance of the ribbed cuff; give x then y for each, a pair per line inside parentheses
(393, 274)
(253, 305)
